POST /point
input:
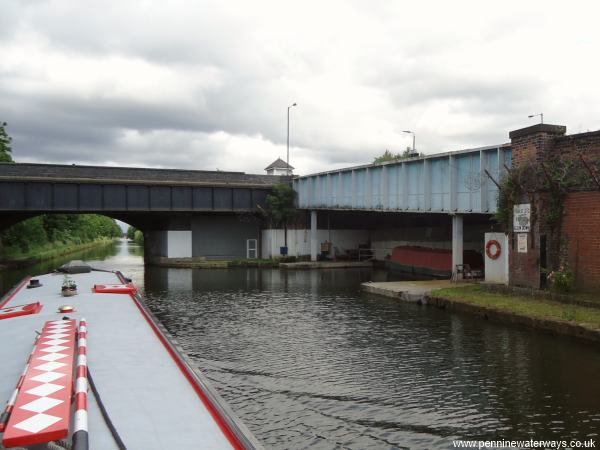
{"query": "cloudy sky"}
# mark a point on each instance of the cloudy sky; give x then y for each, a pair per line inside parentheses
(206, 84)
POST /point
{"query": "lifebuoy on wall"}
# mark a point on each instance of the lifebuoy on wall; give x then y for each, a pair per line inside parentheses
(493, 253)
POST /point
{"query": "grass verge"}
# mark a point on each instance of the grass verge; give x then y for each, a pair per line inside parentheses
(48, 251)
(522, 305)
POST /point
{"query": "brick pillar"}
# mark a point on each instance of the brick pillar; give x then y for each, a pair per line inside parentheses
(532, 145)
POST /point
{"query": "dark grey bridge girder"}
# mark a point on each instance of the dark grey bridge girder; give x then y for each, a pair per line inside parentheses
(43, 188)
(99, 197)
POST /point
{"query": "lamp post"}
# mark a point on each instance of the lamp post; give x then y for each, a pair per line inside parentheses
(288, 137)
(535, 115)
(413, 134)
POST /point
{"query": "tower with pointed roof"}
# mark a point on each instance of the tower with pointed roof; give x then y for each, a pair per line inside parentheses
(279, 167)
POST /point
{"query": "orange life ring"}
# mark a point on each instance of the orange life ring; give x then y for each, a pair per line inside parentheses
(498, 250)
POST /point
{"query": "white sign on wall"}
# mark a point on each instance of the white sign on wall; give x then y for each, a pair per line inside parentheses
(521, 217)
(522, 242)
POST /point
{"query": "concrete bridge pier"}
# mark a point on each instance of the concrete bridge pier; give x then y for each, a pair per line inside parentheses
(314, 241)
(210, 236)
(457, 240)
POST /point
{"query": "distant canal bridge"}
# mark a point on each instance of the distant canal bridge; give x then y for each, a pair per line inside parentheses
(182, 212)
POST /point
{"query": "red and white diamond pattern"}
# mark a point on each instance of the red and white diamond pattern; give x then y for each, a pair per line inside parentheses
(42, 407)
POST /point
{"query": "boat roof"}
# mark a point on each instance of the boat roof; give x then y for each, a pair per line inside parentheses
(151, 400)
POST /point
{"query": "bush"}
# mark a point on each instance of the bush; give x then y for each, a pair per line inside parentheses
(560, 280)
(138, 237)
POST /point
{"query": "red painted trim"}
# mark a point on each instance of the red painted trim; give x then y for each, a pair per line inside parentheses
(15, 291)
(124, 288)
(81, 401)
(231, 437)
(25, 310)
(13, 436)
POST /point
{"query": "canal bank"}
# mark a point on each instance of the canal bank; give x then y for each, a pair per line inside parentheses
(283, 263)
(51, 252)
(203, 263)
(576, 319)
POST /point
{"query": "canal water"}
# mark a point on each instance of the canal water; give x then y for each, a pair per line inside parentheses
(307, 361)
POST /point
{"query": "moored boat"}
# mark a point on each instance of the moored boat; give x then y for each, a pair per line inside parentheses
(431, 262)
(143, 392)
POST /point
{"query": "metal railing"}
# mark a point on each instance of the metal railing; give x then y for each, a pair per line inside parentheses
(366, 254)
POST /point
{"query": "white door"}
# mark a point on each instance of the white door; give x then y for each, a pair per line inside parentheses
(496, 258)
(251, 252)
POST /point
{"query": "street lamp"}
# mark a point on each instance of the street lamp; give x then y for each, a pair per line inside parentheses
(411, 132)
(540, 114)
(288, 137)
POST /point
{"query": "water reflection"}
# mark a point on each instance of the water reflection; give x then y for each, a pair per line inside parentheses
(120, 252)
(308, 362)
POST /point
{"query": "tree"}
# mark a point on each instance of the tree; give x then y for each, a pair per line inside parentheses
(25, 235)
(138, 237)
(280, 206)
(130, 233)
(5, 148)
(388, 156)
(135, 235)
(57, 229)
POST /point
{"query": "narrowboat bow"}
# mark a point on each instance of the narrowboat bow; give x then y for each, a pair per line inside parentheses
(86, 365)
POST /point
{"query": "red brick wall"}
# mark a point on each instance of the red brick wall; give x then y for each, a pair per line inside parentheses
(534, 144)
(581, 232)
(575, 241)
(586, 144)
(524, 268)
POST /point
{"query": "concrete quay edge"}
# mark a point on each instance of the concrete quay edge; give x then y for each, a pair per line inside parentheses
(326, 265)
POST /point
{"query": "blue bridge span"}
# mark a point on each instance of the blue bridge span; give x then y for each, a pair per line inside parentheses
(455, 184)
(450, 183)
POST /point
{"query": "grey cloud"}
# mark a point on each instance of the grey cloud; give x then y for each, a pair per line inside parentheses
(9, 19)
(259, 72)
(185, 33)
(480, 95)
(247, 103)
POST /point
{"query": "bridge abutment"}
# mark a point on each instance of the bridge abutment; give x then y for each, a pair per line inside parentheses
(203, 236)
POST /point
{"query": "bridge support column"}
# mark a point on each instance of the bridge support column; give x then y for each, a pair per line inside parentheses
(457, 241)
(313, 236)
